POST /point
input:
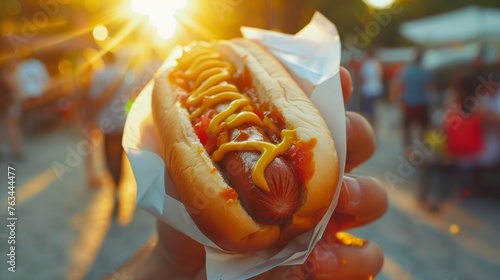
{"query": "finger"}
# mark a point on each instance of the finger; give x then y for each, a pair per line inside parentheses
(343, 257)
(362, 200)
(346, 81)
(361, 141)
(348, 257)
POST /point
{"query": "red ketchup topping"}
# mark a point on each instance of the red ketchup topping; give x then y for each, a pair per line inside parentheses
(229, 194)
(302, 155)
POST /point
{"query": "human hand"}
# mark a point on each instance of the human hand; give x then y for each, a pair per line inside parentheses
(337, 256)
(362, 200)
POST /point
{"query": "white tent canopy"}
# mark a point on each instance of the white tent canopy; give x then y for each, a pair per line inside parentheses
(435, 59)
(438, 58)
(472, 23)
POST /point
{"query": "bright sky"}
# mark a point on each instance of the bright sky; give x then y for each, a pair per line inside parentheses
(380, 4)
(161, 14)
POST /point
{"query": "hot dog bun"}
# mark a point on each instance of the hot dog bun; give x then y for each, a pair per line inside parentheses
(203, 190)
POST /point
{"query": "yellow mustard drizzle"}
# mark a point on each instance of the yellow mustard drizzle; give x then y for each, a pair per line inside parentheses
(209, 78)
(269, 152)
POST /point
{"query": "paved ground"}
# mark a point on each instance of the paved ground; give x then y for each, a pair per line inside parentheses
(66, 230)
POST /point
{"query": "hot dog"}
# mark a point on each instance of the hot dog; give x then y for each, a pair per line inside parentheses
(240, 135)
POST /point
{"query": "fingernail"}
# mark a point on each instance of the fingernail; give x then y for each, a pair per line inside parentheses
(348, 127)
(326, 262)
(353, 190)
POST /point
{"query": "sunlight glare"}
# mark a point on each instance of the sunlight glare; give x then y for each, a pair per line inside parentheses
(161, 14)
(379, 4)
(100, 33)
(165, 26)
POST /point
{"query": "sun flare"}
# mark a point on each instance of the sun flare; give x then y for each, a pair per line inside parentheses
(379, 4)
(161, 14)
(100, 33)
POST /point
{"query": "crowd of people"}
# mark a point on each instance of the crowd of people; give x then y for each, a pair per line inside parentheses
(461, 121)
(97, 102)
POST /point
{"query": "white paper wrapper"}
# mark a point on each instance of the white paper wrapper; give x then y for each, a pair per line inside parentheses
(313, 58)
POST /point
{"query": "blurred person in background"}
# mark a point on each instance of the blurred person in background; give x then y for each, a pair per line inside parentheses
(32, 78)
(489, 96)
(372, 87)
(476, 146)
(463, 124)
(32, 83)
(86, 118)
(414, 84)
(489, 161)
(82, 79)
(11, 109)
(106, 108)
(353, 65)
(434, 188)
(23, 78)
(28, 78)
